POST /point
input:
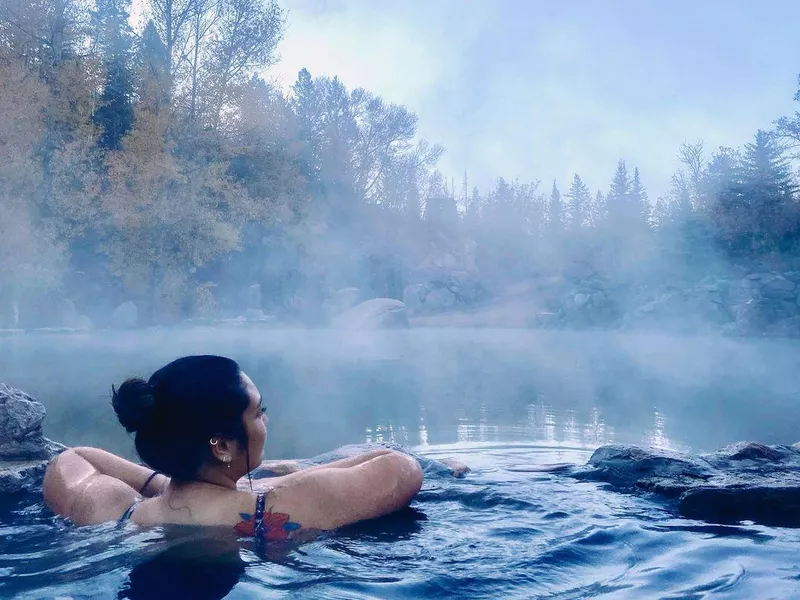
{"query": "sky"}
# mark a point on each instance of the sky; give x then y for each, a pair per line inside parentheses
(533, 89)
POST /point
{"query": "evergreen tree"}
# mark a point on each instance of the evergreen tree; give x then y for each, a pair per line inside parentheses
(306, 105)
(599, 209)
(555, 210)
(639, 201)
(618, 200)
(768, 185)
(114, 39)
(580, 200)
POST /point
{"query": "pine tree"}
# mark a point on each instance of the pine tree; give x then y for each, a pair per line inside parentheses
(768, 185)
(114, 40)
(639, 201)
(618, 199)
(580, 200)
(599, 209)
(307, 107)
(555, 210)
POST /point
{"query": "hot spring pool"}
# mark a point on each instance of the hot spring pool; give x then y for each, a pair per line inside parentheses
(494, 399)
(496, 534)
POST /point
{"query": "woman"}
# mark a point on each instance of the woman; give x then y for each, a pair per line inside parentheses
(201, 425)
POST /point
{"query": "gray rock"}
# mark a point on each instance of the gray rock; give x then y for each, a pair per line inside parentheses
(772, 281)
(24, 451)
(21, 476)
(599, 299)
(254, 314)
(21, 420)
(346, 298)
(414, 296)
(83, 322)
(746, 481)
(125, 316)
(440, 298)
(581, 300)
(789, 327)
(378, 313)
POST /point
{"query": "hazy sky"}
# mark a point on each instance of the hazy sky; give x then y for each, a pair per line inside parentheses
(542, 89)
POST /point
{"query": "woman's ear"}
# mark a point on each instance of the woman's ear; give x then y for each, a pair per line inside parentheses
(222, 449)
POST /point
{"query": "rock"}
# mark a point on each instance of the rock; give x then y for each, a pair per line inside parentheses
(378, 313)
(774, 282)
(24, 451)
(254, 314)
(21, 420)
(346, 298)
(83, 322)
(253, 297)
(440, 298)
(414, 296)
(599, 299)
(21, 476)
(580, 300)
(746, 481)
(125, 316)
(785, 328)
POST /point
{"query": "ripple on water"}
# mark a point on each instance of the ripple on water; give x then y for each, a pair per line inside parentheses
(502, 534)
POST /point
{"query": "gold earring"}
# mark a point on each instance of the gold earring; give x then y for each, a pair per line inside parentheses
(213, 442)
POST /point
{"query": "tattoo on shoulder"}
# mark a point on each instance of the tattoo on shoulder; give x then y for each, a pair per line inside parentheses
(272, 527)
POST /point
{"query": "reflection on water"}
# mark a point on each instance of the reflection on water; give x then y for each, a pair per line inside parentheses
(324, 389)
(540, 423)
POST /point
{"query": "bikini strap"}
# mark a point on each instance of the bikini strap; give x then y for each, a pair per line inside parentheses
(147, 482)
(261, 501)
(129, 511)
(258, 530)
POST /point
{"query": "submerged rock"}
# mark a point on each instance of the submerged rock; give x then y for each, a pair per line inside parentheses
(24, 451)
(746, 481)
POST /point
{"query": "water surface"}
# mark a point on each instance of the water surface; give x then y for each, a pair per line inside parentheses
(498, 400)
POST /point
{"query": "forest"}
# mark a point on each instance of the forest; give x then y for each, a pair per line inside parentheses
(158, 164)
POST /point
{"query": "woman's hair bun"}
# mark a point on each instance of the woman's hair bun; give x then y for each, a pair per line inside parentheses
(133, 402)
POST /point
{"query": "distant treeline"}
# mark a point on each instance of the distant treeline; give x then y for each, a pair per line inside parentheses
(158, 166)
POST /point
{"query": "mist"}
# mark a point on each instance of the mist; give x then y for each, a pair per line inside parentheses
(172, 182)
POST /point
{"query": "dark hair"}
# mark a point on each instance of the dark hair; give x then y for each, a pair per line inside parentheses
(181, 407)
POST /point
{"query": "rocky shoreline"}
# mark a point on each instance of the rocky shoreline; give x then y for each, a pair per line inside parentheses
(740, 303)
(24, 451)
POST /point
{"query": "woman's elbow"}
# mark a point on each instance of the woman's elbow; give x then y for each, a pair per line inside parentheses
(409, 476)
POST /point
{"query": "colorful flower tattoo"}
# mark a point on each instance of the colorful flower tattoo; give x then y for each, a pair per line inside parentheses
(266, 526)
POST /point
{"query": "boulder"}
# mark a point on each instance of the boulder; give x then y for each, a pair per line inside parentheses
(378, 313)
(24, 451)
(440, 298)
(346, 298)
(83, 322)
(772, 282)
(125, 316)
(746, 481)
(414, 295)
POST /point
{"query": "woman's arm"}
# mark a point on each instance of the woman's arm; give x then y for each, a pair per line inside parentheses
(75, 489)
(136, 476)
(277, 468)
(274, 469)
(328, 498)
